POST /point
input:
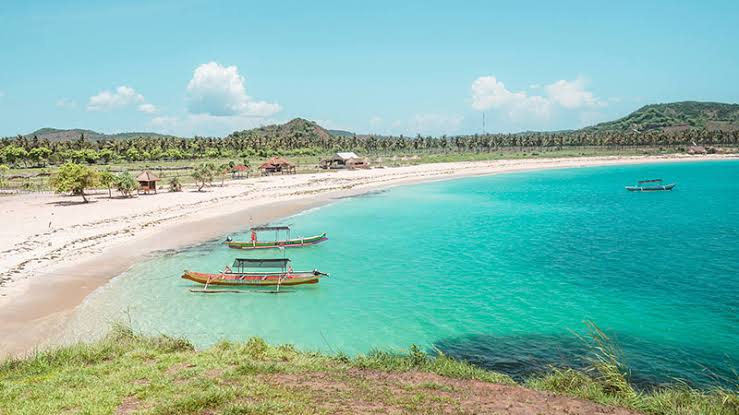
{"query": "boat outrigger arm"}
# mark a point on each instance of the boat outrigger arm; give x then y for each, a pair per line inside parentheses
(286, 242)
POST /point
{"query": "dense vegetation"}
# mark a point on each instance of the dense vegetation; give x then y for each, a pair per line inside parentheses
(677, 125)
(130, 373)
(693, 115)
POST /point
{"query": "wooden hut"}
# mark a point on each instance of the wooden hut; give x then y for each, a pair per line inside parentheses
(344, 160)
(277, 165)
(147, 182)
(239, 170)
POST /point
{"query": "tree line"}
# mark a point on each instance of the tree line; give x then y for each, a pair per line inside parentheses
(77, 178)
(35, 152)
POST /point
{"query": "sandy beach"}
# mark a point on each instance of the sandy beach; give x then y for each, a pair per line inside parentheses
(57, 250)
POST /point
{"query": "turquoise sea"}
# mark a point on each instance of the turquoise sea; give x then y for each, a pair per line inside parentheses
(501, 270)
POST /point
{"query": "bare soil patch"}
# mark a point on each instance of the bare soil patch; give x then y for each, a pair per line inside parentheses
(361, 391)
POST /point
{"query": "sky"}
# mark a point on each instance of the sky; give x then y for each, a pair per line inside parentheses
(208, 68)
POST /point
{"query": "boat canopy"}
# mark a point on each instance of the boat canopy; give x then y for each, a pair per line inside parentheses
(650, 181)
(271, 228)
(260, 263)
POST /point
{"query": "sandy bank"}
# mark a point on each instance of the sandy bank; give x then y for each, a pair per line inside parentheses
(55, 251)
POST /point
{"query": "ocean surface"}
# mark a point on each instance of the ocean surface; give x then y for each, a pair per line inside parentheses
(503, 271)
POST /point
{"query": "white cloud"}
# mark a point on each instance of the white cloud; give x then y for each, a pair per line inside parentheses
(147, 108)
(219, 90)
(490, 93)
(66, 103)
(572, 94)
(2, 94)
(107, 100)
(163, 122)
(122, 97)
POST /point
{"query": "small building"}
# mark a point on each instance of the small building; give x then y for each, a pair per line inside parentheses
(239, 170)
(277, 165)
(344, 160)
(147, 182)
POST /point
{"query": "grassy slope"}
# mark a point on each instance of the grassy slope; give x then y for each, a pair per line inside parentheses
(128, 373)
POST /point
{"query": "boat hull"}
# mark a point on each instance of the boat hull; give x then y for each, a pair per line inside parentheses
(252, 279)
(290, 243)
(650, 188)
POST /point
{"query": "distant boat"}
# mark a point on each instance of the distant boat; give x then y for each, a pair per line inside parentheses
(287, 242)
(651, 185)
(248, 272)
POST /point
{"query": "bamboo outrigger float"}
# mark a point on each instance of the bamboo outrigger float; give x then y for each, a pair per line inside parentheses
(287, 242)
(651, 185)
(247, 272)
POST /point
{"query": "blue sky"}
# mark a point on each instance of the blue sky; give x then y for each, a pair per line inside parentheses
(208, 68)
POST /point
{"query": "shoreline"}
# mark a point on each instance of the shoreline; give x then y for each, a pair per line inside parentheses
(34, 309)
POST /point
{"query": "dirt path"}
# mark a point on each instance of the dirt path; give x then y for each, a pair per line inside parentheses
(369, 391)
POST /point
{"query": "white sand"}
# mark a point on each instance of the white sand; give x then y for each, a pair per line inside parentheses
(54, 250)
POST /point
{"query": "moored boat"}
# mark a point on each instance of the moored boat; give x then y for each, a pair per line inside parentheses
(287, 242)
(249, 272)
(651, 185)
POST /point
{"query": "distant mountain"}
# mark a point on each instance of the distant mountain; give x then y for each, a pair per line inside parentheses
(341, 133)
(296, 130)
(302, 133)
(55, 134)
(676, 116)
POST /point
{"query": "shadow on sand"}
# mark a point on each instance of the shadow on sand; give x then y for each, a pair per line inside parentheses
(72, 202)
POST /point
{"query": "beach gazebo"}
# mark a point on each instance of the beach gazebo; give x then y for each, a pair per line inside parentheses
(277, 165)
(344, 160)
(239, 170)
(147, 181)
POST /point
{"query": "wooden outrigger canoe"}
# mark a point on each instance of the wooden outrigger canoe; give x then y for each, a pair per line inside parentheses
(236, 279)
(277, 243)
(647, 186)
(245, 274)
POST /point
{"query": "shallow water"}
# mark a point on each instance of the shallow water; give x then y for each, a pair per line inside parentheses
(499, 270)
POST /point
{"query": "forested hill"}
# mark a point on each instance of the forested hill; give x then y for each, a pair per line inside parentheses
(298, 132)
(55, 134)
(676, 116)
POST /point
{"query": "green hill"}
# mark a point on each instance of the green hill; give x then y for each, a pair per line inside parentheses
(341, 133)
(298, 131)
(676, 116)
(55, 134)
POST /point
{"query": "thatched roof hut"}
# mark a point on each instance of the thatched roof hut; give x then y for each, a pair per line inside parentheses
(277, 165)
(147, 181)
(239, 170)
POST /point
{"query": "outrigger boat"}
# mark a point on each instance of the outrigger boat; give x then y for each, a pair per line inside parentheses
(254, 243)
(249, 272)
(645, 186)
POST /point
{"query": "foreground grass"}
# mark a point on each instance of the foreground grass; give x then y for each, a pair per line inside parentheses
(130, 373)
